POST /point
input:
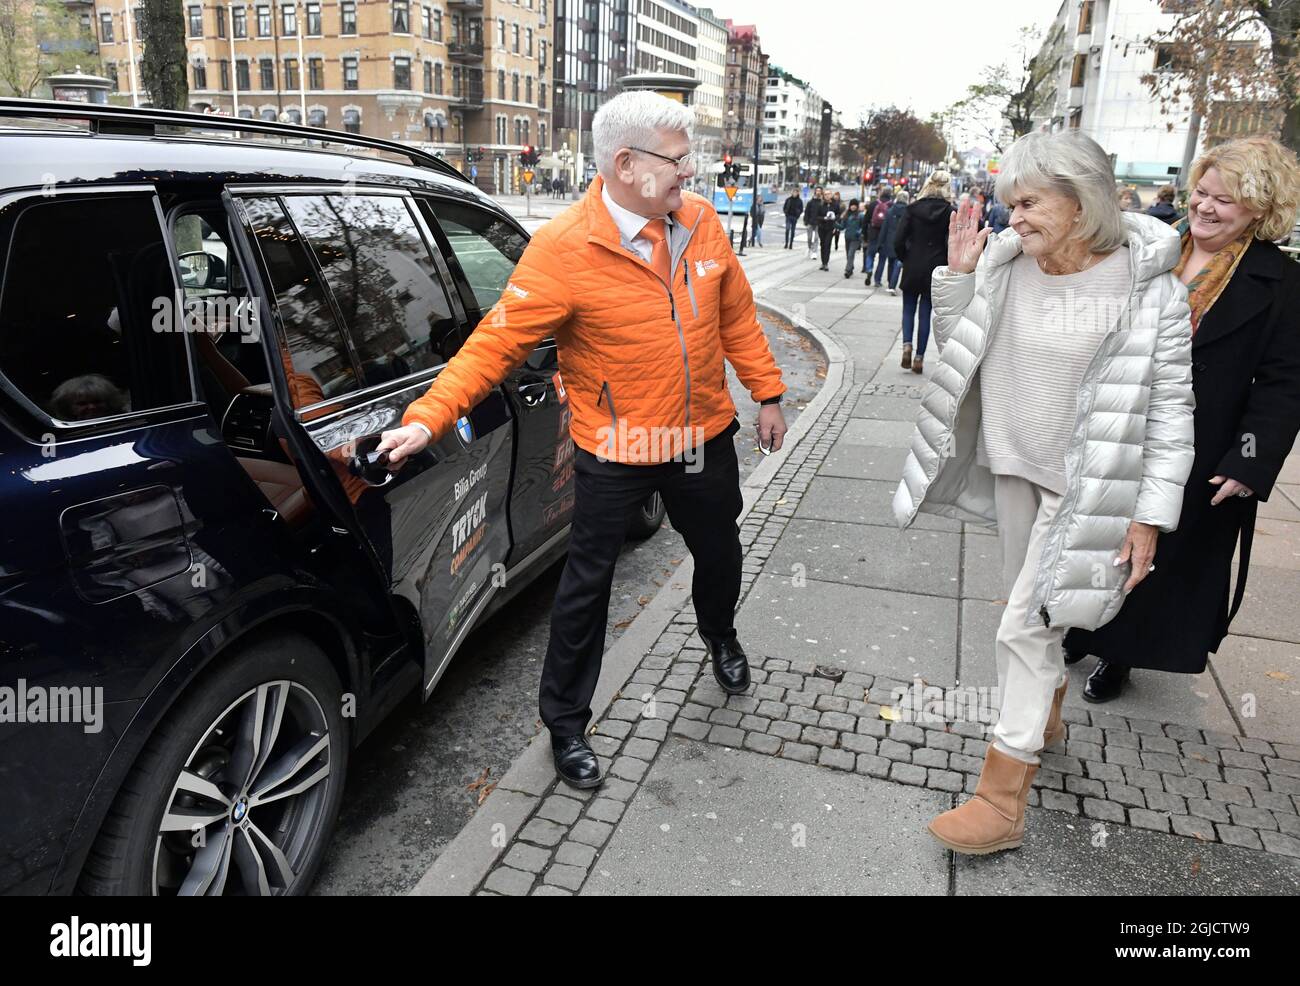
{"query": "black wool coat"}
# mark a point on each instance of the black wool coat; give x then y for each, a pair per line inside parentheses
(1246, 378)
(921, 242)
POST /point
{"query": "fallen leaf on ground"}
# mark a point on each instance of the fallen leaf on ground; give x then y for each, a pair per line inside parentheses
(482, 779)
(1278, 675)
(890, 713)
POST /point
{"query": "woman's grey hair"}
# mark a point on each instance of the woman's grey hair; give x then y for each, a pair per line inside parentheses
(634, 119)
(1073, 164)
(902, 198)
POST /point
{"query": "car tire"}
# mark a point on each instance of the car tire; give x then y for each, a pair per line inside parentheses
(647, 518)
(272, 839)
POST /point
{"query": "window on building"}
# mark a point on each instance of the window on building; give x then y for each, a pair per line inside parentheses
(437, 79)
(541, 95)
(316, 73)
(514, 86)
(401, 73)
(541, 133)
(426, 23)
(528, 42)
(106, 27)
(352, 121)
(267, 68)
(112, 77)
(313, 20)
(1172, 58)
(1085, 16)
(195, 18)
(1076, 119)
(241, 75)
(291, 73)
(263, 22)
(501, 83)
(514, 38)
(349, 73)
(437, 24)
(501, 32)
(288, 20)
(239, 22)
(456, 82)
(401, 16)
(200, 76)
(225, 74)
(1079, 70)
(348, 16)
(428, 77)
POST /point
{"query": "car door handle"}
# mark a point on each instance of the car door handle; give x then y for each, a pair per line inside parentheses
(532, 393)
(371, 468)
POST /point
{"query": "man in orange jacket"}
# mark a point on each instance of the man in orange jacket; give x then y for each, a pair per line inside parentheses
(645, 298)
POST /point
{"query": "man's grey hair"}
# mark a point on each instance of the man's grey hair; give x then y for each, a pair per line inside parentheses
(634, 119)
(1073, 164)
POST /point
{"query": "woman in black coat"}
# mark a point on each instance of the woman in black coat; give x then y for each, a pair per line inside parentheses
(1245, 300)
(921, 244)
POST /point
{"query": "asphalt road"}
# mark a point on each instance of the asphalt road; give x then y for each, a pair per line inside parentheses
(412, 783)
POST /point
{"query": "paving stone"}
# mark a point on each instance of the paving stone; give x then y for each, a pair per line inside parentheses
(1122, 756)
(1234, 835)
(1246, 778)
(568, 877)
(1105, 772)
(1051, 779)
(1061, 764)
(1160, 744)
(742, 704)
(805, 716)
(969, 730)
(642, 749)
(1144, 779)
(940, 740)
(1169, 803)
(783, 679)
(527, 858)
(930, 757)
(1287, 785)
(604, 746)
(773, 710)
(959, 761)
(1086, 787)
(614, 727)
(893, 750)
(591, 832)
(1059, 801)
(618, 789)
(1200, 751)
(725, 717)
(872, 765)
(1084, 751)
(1230, 793)
(727, 736)
(1146, 726)
(1183, 734)
(802, 752)
(1238, 758)
(1287, 751)
(839, 720)
(944, 780)
(711, 695)
(693, 710)
(1193, 827)
(1202, 769)
(1214, 811)
(839, 759)
(605, 810)
(873, 726)
(907, 733)
(831, 703)
(1079, 733)
(858, 744)
(1143, 819)
(754, 724)
(975, 748)
(1187, 787)
(1273, 800)
(625, 709)
(786, 730)
(1255, 818)
(819, 686)
(1126, 795)
(1108, 720)
(651, 729)
(1283, 845)
(1224, 741)
(762, 743)
(819, 736)
(509, 882)
(1107, 811)
(563, 811)
(1288, 768)
(1122, 739)
(768, 693)
(1166, 763)
(907, 773)
(691, 728)
(575, 854)
(543, 832)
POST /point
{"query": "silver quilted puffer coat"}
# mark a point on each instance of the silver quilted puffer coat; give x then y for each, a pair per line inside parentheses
(1131, 449)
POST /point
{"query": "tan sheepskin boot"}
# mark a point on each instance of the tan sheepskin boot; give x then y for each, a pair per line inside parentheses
(1055, 731)
(994, 818)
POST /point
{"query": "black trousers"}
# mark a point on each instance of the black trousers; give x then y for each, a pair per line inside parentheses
(825, 233)
(703, 501)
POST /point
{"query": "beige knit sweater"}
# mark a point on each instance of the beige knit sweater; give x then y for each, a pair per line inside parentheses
(1047, 333)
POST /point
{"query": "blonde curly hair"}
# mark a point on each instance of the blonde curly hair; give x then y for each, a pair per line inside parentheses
(1260, 174)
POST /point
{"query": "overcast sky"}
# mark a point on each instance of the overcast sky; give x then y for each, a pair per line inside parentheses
(918, 54)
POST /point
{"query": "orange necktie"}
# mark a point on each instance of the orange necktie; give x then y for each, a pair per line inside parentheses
(656, 232)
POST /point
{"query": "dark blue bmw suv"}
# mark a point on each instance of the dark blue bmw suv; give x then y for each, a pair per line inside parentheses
(211, 588)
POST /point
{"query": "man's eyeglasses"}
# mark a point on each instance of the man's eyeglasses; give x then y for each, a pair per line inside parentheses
(684, 163)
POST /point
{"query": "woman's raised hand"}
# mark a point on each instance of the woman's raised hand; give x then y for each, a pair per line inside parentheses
(965, 239)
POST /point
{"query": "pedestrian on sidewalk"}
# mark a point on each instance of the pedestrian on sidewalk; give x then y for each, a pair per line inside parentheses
(830, 215)
(1246, 361)
(760, 212)
(792, 209)
(851, 224)
(1036, 325)
(839, 211)
(875, 223)
(812, 217)
(888, 256)
(1163, 207)
(921, 244)
(638, 237)
(999, 216)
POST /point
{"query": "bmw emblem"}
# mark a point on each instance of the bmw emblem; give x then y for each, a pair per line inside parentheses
(465, 432)
(240, 810)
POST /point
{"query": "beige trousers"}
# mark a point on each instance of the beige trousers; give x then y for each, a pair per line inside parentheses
(1030, 657)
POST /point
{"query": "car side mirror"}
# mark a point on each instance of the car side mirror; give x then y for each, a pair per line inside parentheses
(196, 269)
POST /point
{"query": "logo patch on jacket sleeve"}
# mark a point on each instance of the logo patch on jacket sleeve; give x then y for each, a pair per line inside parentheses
(701, 266)
(516, 289)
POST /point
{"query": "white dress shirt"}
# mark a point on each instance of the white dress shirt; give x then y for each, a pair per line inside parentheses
(630, 224)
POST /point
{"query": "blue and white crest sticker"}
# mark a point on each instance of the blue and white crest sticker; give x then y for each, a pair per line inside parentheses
(465, 431)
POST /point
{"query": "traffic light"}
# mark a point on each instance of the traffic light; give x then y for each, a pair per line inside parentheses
(529, 156)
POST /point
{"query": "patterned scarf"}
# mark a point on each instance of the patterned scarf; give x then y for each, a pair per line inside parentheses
(1204, 289)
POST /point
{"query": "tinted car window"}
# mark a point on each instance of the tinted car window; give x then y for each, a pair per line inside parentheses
(106, 342)
(383, 278)
(487, 247)
(320, 365)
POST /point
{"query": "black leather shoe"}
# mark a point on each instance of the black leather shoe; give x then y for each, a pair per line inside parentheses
(575, 762)
(730, 667)
(1074, 656)
(1106, 682)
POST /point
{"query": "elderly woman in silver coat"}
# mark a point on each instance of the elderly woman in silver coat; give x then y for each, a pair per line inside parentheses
(1061, 413)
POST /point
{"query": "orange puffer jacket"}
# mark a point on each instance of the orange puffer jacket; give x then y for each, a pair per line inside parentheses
(643, 365)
